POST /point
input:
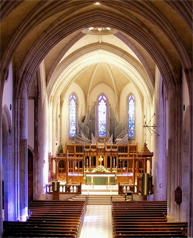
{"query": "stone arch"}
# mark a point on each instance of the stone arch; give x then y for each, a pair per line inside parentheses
(30, 66)
(108, 49)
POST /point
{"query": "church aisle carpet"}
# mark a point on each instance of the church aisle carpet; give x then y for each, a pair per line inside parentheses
(97, 222)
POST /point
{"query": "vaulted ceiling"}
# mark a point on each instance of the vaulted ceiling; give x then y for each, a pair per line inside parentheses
(126, 42)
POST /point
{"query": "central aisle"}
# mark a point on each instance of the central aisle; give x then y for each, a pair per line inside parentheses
(97, 222)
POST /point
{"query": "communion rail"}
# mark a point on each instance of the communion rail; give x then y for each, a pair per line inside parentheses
(65, 188)
(124, 187)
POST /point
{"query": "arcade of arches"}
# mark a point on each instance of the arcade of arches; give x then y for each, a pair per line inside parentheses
(59, 61)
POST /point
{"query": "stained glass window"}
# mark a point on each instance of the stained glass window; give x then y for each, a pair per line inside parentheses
(131, 116)
(102, 115)
(72, 114)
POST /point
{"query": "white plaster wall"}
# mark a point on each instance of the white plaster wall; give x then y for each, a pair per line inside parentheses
(74, 88)
(8, 91)
(102, 89)
(131, 89)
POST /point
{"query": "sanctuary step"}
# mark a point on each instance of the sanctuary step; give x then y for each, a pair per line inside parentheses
(81, 197)
(99, 189)
(98, 199)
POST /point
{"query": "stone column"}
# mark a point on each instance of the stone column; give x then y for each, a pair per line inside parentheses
(174, 152)
(40, 170)
(1, 205)
(159, 139)
(8, 166)
(190, 205)
(23, 156)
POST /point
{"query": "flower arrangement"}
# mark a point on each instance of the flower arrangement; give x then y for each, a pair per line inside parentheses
(60, 149)
(100, 169)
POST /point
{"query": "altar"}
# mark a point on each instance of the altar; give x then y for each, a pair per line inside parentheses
(96, 164)
(100, 178)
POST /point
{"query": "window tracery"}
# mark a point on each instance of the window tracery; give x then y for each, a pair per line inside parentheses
(131, 116)
(72, 115)
(102, 116)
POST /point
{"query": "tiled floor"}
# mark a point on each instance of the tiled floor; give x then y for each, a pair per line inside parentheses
(97, 222)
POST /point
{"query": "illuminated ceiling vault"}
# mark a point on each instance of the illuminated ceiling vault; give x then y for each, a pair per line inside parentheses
(114, 42)
(89, 63)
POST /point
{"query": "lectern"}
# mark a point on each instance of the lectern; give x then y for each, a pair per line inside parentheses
(129, 193)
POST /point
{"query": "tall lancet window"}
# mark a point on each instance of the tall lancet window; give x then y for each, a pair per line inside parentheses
(72, 115)
(131, 116)
(102, 115)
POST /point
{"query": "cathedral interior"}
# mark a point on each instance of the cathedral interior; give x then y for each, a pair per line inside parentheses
(96, 85)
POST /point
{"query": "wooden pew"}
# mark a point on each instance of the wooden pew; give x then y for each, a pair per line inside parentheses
(144, 219)
(49, 219)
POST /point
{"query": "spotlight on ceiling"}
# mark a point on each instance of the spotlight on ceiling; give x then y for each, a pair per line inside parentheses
(99, 31)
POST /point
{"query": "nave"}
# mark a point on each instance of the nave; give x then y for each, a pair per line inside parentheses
(82, 81)
(97, 212)
(97, 222)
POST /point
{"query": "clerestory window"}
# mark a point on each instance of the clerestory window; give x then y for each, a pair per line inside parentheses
(131, 116)
(72, 115)
(102, 116)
